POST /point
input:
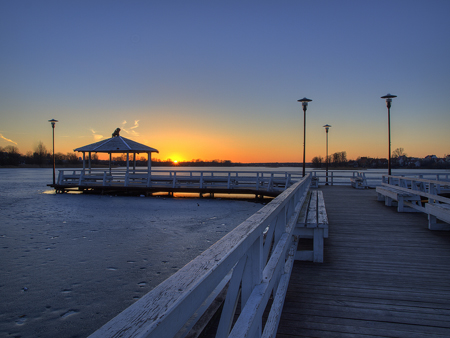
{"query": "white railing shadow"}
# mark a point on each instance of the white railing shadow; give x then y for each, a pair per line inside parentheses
(251, 264)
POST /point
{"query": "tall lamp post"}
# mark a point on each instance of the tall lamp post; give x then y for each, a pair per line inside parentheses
(304, 102)
(389, 98)
(327, 126)
(53, 122)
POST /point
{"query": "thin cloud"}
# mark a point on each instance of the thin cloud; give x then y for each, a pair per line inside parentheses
(131, 130)
(97, 137)
(7, 139)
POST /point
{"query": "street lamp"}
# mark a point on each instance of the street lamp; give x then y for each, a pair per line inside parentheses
(327, 126)
(53, 122)
(389, 98)
(304, 102)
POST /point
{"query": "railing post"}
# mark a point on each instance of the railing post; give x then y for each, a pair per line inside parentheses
(174, 182)
(253, 270)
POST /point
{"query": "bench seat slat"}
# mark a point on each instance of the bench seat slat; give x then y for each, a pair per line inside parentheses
(321, 212)
(311, 220)
(441, 211)
(304, 211)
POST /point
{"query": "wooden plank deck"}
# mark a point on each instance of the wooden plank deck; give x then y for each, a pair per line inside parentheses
(384, 275)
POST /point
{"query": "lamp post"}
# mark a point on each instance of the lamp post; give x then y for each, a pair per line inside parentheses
(304, 102)
(327, 126)
(389, 98)
(53, 122)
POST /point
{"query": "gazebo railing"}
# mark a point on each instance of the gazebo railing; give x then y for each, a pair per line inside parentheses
(176, 179)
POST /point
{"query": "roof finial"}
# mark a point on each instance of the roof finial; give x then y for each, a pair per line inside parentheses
(116, 132)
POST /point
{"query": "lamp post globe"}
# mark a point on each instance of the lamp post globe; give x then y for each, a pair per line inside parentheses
(327, 126)
(304, 102)
(53, 122)
(389, 98)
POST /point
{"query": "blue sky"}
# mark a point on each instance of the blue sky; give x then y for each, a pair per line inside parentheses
(221, 79)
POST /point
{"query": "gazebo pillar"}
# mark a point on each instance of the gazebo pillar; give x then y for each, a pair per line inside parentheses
(134, 163)
(84, 161)
(128, 162)
(89, 162)
(149, 164)
(110, 163)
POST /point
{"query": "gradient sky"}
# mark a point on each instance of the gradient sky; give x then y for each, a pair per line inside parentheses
(221, 79)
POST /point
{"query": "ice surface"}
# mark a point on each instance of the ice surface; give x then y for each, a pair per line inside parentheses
(72, 262)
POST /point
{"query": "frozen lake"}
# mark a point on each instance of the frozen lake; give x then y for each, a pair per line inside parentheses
(71, 262)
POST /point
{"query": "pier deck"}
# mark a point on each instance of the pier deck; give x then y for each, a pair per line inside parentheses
(384, 275)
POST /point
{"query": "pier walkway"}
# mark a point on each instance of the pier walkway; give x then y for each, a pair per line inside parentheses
(384, 275)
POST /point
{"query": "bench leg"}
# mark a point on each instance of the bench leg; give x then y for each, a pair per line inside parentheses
(434, 225)
(318, 245)
(388, 201)
(380, 197)
(400, 204)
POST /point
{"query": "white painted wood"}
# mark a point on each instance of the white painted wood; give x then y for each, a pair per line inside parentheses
(231, 301)
(311, 219)
(408, 192)
(165, 310)
(318, 245)
(438, 211)
(312, 223)
(273, 320)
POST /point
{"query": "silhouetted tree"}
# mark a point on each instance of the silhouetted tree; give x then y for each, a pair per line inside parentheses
(398, 152)
(317, 161)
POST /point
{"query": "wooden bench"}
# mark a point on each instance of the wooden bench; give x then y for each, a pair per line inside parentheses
(358, 182)
(406, 201)
(438, 211)
(312, 223)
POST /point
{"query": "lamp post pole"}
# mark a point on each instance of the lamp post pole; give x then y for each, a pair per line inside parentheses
(389, 98)
(53, 122)
(304, 102)
(327, 126)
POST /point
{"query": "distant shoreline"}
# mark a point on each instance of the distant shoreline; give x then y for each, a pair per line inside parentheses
(234, 165)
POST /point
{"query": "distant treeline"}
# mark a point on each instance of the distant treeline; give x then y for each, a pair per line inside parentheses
(399, 159)
(10, 156)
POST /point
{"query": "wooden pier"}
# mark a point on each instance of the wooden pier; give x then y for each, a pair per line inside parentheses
(384, 275)
(145, 182)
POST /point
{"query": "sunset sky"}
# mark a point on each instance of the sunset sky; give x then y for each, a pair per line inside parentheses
(221, 79)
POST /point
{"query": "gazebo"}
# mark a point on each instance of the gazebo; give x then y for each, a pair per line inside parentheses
(117, 144)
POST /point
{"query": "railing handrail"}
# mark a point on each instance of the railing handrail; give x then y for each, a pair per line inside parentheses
(417, 179)
(255, 252)
(426, 188)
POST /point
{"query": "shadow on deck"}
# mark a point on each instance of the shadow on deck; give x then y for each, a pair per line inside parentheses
(384, 275)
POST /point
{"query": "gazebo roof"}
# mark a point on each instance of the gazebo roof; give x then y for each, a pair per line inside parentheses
(117, 144)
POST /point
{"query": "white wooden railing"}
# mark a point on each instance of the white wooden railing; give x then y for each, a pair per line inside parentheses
(198, 179)
(430, 197)
(203, 179)
(252, 263)
(370, 178)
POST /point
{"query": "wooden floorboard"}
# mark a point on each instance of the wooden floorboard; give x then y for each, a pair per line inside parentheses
(384, 275)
